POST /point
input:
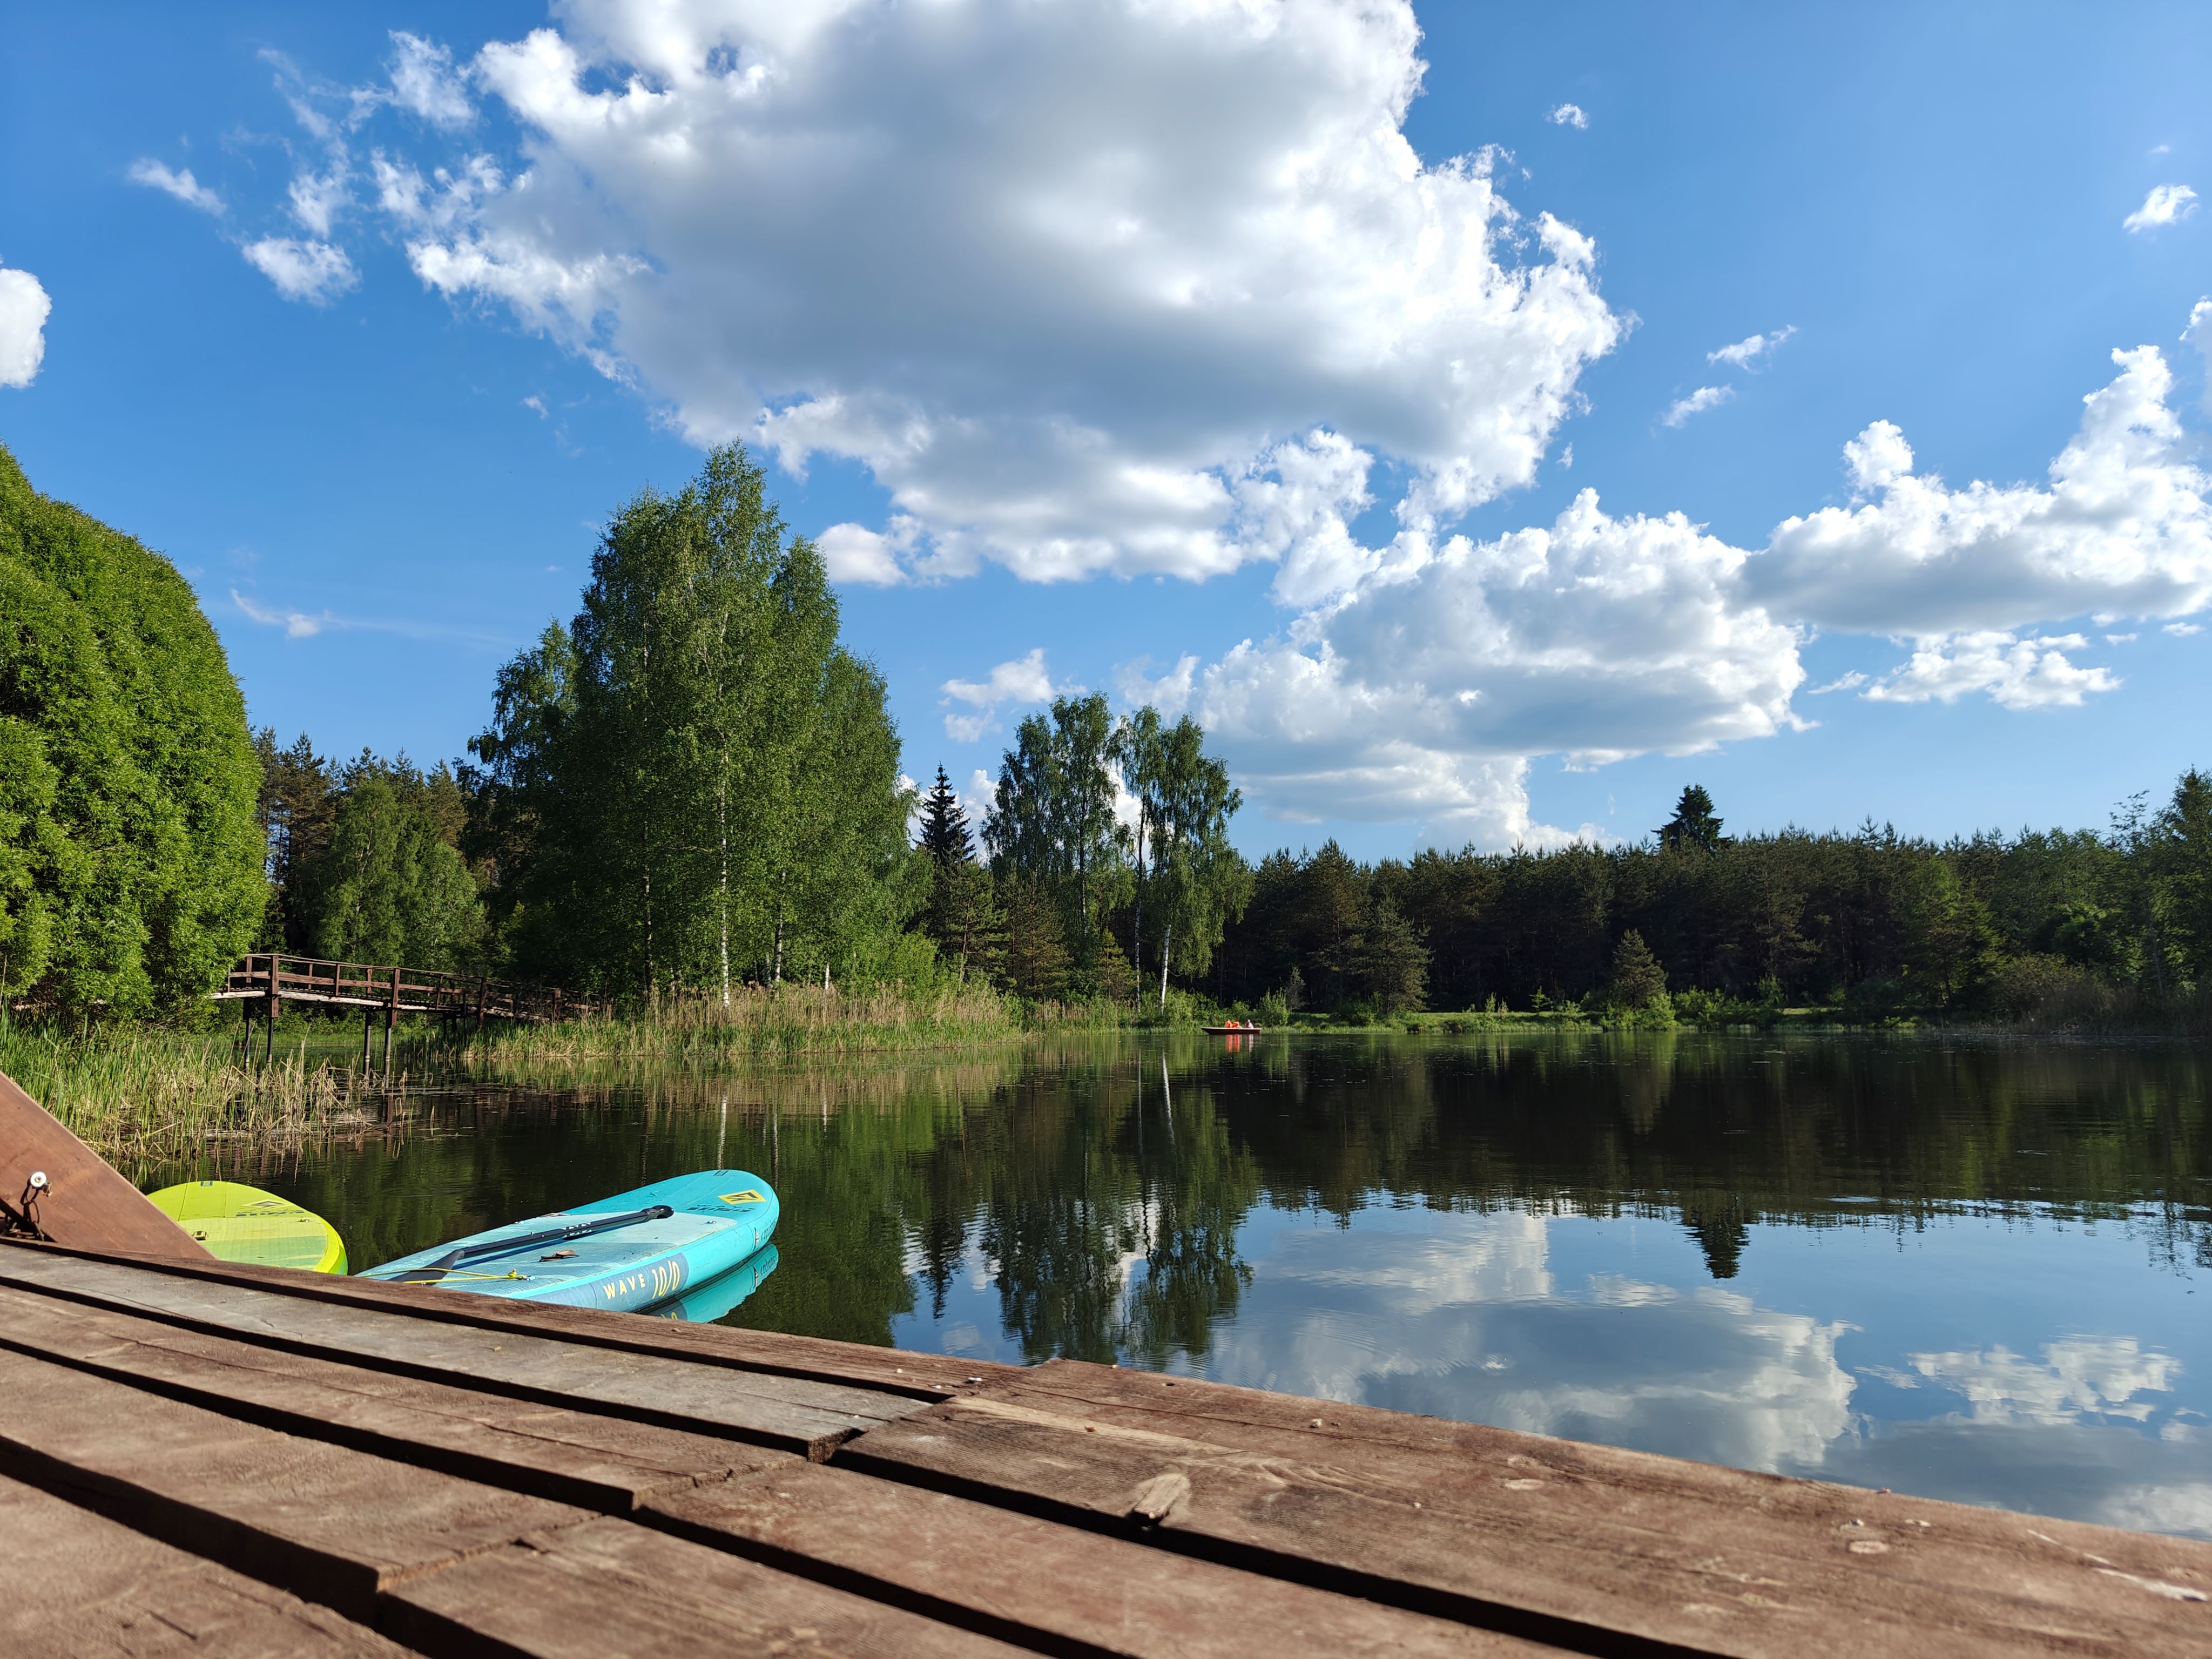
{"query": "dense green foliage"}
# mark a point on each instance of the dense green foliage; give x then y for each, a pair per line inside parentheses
(129, 868)
(694, 783)
(1075, 878)
(365, 862)
(2064, 924)
(963, 918)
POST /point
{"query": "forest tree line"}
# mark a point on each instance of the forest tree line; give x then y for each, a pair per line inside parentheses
(693, 784)
(1873, 923)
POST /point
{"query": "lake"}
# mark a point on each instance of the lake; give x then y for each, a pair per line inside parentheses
(1959, 1268)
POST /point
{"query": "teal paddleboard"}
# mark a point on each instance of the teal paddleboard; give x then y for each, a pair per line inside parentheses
(626, 1252)
(703, 1304)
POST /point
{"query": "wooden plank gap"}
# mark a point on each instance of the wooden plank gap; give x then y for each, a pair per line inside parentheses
(315, 1415)
(810, 1431)
(1498, 1618)
(1051, 1587)
(872, 1587)
(843, 1364)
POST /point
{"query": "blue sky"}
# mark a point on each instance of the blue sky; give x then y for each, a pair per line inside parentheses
(1181, 339)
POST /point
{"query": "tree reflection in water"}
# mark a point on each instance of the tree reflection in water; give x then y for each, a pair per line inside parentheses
(1127, 1199)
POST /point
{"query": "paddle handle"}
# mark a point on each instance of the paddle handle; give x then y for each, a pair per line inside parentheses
(573, 1229)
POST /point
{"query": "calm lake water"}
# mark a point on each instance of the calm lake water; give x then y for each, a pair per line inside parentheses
(1965, 1270)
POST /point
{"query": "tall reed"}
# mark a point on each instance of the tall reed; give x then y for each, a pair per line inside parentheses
(143, 1096)
(787, 1022)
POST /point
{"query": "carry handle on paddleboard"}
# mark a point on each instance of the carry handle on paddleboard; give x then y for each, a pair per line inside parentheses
(468, 1253)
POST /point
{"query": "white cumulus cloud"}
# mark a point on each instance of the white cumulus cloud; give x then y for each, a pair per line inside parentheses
(318, 198)
(425, 82)
(2164, 205)
(315, 271)
(2122, 526)
(2019, 673)
(1420, 685)
(1878, 456)
(1704, 398)
(1568, 115)
(180, 184)
(1422, 695)
(1021, 681)
(24, 308)
(1072, 282)
(855, 553)
(1748, 352)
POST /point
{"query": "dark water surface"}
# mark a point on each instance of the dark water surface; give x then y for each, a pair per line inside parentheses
(1965, 1270)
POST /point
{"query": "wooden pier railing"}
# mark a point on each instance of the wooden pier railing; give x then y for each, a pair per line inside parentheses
(267, 980)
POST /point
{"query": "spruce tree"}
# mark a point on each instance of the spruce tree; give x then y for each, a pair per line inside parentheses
(945, 835)
(1638, 978)
(1693, 826)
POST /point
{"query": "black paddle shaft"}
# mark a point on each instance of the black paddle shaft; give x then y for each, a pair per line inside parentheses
(573, 1229)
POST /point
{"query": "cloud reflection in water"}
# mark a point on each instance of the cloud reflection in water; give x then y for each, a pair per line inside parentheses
(1469, 1319)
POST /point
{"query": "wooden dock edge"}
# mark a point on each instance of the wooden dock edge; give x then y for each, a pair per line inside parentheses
(1065, 1509)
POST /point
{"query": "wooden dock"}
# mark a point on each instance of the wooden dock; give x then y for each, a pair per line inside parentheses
(199, 1457)
(273, 979)
(266, 980)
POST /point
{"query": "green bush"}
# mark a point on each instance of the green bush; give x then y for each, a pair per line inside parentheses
(1876, 1001)
(2052, 993)
(130, 859)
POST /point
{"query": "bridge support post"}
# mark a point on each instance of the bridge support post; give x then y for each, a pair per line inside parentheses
(270, 1017)
(390, 1018)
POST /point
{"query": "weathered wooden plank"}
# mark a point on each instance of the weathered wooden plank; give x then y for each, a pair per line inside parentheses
(78, 1584)
(788, 1413)
(553, 1452)
(1581, 1546)
(611, 1587)
(854, 1364)
(325, 1522)
(86, 1204)
(1037, 1583)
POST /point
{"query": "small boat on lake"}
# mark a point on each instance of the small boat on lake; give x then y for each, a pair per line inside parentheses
(628, 1252)
(1231, 1030)
(237, 1222)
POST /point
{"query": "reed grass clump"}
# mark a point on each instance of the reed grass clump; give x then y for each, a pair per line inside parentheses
(756, 1024)
(144, 1096)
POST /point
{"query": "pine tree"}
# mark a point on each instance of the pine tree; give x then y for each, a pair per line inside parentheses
(1036, 956)
(1693, 826)
(1388, 960)
(296, 800)
(1637, 979)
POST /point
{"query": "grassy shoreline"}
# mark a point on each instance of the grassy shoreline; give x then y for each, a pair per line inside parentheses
(146, 1096)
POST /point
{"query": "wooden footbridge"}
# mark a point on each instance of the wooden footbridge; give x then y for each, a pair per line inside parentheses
(267, 980)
